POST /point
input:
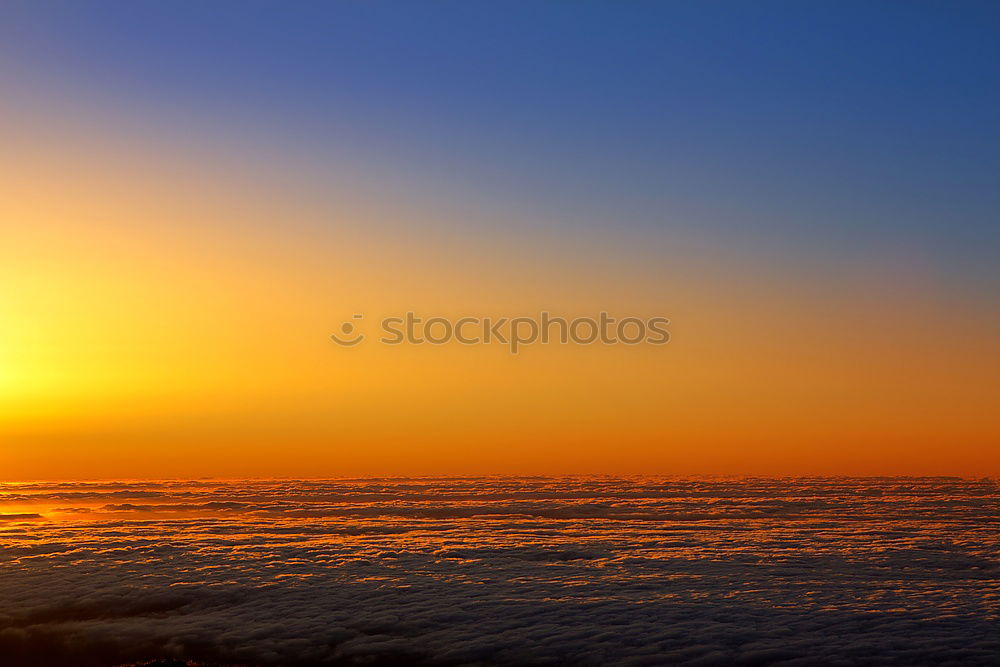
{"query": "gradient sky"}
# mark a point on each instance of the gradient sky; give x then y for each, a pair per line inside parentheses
(192, 198)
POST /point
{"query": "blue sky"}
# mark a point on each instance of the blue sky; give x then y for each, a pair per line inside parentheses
(817, 128)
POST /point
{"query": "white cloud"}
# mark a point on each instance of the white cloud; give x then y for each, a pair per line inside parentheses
(534, 571)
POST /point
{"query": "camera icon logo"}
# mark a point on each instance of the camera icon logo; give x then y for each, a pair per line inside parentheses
(347, 331)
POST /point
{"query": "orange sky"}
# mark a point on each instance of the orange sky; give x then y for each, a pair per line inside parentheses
(169, 317)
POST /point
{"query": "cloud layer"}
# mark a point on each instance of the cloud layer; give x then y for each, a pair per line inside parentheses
(535, 571)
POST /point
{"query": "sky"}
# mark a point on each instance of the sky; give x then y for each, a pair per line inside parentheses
(193, 198)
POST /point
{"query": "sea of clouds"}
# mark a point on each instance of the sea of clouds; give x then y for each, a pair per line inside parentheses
(532, 571)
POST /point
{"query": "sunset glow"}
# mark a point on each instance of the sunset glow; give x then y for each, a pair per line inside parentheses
(783, 451)
(160, 316)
